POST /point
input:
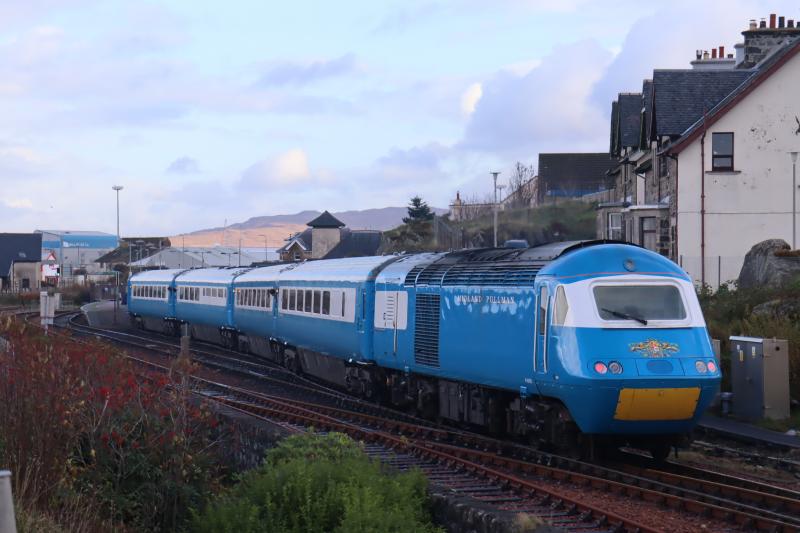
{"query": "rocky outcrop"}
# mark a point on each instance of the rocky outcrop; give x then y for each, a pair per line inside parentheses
(789, 308)
(769, 264)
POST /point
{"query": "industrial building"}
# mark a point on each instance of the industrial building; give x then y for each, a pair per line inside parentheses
(75, 251)
(216, 256)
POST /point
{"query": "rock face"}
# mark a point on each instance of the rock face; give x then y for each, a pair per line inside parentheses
(763, 268)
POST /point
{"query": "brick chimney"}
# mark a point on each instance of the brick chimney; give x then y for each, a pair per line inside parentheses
(763, 39)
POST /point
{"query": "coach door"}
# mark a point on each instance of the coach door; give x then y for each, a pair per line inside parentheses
(542, 327)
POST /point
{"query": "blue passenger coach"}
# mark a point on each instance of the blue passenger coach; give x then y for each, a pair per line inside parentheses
(204, 300)
(151, 298)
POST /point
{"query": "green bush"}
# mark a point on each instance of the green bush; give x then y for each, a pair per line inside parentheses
(320, 484)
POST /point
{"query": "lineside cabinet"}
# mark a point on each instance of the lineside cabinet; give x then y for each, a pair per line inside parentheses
(760, 378)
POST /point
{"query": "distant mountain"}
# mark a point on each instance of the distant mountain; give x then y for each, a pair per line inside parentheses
(276, 228)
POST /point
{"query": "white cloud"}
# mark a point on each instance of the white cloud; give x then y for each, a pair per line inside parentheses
(291, 167)
(18, 203)
(470, 98)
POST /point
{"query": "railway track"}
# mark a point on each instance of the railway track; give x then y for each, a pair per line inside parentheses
(508, 475)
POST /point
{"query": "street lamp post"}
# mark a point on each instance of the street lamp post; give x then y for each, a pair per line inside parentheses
(794, 199)
(494, 177)
(266, 249)
(117, 188)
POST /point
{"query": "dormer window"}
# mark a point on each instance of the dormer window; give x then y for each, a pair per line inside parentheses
(722, 151)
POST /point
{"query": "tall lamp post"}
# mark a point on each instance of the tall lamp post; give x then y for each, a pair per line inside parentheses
(794, 199)
(117, 188)
(494, 177)
(266, 249)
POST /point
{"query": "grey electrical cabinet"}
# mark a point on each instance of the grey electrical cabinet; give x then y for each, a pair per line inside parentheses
(760, 377)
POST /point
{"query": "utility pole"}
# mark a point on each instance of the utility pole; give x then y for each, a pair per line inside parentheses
(266, 249)
(494, 177)
(794, 200)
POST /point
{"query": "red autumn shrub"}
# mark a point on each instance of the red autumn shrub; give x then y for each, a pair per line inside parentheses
(79, 420)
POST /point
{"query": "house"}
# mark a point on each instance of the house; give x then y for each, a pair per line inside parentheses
(572, 175)
(20, 261)
(328, 238)
(711, 171)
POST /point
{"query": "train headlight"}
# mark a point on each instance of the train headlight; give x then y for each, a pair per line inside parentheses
(600, 368)
(712, 366)
(701, 367)
(615, 367)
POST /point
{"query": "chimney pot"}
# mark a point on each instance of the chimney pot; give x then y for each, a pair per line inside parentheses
(753, 24)
(705, 54)
(713, 53)
(721, 52)
(763, 23)
(790, 23)
(772, 17)
(730, 56)
(781, 22)
(698, 54)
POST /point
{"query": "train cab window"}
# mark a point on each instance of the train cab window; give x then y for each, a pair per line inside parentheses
(307, 302)
(326, 302)
(317, 301)
(639, 303)
(543, 295)
(561, 308)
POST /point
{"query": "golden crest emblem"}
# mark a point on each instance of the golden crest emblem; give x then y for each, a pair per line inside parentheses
(654, 348)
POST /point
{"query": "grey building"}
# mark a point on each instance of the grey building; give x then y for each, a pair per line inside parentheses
(20, 261)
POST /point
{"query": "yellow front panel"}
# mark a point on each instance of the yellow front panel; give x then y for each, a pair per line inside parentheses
(657, 404)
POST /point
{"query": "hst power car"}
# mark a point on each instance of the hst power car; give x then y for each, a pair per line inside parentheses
(572, 343)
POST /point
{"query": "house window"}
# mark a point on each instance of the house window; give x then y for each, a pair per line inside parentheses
(297, 256)
(647, 232)
(615, 226)
(722, 151)
(663, 166)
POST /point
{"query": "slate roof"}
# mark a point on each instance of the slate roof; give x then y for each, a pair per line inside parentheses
(19, 247)
(682, 96)
(630, 111)
(305, 239)
(576, 171)
(326, 220)
(359, 243)
(121, 254)
(764, 70)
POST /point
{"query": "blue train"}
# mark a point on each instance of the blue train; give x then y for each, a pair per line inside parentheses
(571, 343)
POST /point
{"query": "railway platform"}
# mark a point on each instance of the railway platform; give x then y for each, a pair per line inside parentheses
(737, 430)
(101, 314)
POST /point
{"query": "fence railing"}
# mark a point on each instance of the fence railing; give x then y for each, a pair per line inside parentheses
(445, 236)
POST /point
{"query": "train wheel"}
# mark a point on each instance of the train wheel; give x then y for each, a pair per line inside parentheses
(659, 451)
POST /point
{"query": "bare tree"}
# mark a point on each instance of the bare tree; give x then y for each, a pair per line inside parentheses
(522, 185)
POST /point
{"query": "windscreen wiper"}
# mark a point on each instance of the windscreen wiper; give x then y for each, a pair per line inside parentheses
(620, 314)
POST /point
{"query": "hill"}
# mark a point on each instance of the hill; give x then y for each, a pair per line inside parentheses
(276, 228)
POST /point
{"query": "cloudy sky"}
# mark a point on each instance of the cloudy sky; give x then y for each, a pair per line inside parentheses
(206, 111)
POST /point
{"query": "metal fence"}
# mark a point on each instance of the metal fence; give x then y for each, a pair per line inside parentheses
(446, 237)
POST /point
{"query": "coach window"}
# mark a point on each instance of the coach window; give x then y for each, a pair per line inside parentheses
(284, 299)
(300, 299)
(344, 299)
(307, 301)
(317, 302)
(292, 299)
(326, 302)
